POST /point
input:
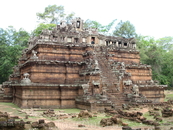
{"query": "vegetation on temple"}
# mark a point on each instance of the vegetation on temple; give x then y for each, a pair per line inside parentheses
(158, 53)
(41, 27)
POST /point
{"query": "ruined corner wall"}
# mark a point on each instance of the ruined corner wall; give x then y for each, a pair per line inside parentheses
(153, 93)
(54, 76)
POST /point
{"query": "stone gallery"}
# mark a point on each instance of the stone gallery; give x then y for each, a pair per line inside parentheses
(73, 67)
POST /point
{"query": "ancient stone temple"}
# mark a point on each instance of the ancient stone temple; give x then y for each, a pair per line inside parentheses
(73, 67)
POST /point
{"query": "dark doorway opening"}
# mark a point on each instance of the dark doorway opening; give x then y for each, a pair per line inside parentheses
(78, 24)
(119, 44)
(107, 43)
(75, 40)
(92, 40)
(125, 44)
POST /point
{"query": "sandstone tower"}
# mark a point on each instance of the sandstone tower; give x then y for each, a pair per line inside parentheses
(73, 67)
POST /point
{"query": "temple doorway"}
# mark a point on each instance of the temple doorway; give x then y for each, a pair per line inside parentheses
(92, 40)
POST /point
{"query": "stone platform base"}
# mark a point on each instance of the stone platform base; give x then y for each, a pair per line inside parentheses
(93, 106)
(45, 95)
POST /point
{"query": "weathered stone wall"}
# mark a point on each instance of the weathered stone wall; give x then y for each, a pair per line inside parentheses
(61, 54)
(125, 56)
(140, 74)
(64, 66)
(52, 73)
(82, 105)
(93, 106)
(156, 94)
(52, 96)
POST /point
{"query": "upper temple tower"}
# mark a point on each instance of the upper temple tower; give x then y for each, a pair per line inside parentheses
(77, 23)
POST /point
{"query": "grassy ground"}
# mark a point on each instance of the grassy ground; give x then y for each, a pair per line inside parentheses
(10, 108)
(94, 120)
(169, 95)
(92, 123)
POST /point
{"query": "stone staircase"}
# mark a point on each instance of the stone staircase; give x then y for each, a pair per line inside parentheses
(117, 100)
(109, 79)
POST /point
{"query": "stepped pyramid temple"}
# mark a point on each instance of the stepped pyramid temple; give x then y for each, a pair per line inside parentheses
(73, 67)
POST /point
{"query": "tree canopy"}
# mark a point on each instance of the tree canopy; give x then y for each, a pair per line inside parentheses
(104, 29)
(159, 56)
(12, 42)
(54, 14)
(41, 27)
(125, 29)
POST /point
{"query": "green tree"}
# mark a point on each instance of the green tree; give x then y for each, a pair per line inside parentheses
(69, 17)
(21, 37)
(101, 28)
(11, 36)
(12, 42)
(159, 55)
(155, 54)
(8, 60)
(166, 43)
(41, 27)
(125, 29)
(92, 24)
(3, 37)
(167, 69)
(143, 44)
(54, 14)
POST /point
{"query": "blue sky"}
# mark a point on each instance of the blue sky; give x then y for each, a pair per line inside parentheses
(150, 17)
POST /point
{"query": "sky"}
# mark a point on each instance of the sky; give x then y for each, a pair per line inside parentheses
(150, 17)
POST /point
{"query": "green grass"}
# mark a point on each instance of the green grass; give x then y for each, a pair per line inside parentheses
(91, 121)
(146, 115)
(9, 107)
(169, 95)
(9, 104)
(164, 120)
(94, 121)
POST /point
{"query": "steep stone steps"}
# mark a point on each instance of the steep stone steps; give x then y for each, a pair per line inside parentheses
(109, 79)
(118, 101)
